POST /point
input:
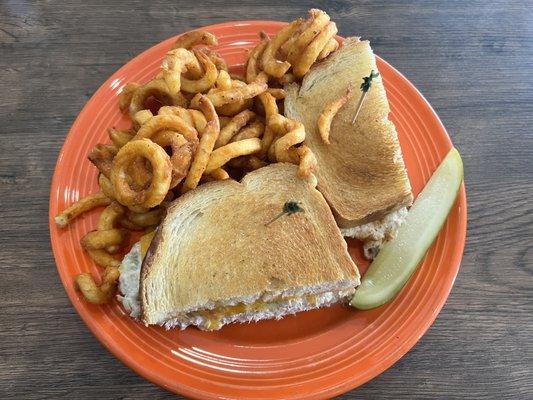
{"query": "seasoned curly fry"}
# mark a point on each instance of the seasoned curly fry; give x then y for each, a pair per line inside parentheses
(277, 93)
(223, 154)
(102, 157)
(204, 83)
(306, 160)
(294, 134)
(252, 64)
(199, 121)
(271, 64)
(207, 142)
(98, 294)
(120, 138)
(247, 163)
(101, 239)
(223, 80)
(329, 48)
(161, 171)
(271, 109)
(312, 27)
(158, 89)
(141, 117)
(218, 175)
(81, 206)
(125, 96)
(103, 258)
(174, 65)
(330, 110)
(236, 94)
(215, 58)
(190, 39)
(311, 53)
(254, 130)
(106, 186)
(232, 109)
(108, 220)
(166, 122)
(236, 123)
(181, 153)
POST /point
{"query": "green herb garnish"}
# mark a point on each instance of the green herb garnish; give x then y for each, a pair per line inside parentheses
(289, 208)
(367, 81)
(365, 87)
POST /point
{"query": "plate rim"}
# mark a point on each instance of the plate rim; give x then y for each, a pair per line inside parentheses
(329, 391)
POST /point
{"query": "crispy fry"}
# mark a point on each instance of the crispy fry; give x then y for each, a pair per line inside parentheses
(106, 186)
(207, 142)
(126, 223)
(141, 117)
(83, 205)
(120, 138)
(317, 21)
(223, 80)
(222, 155)
(181, 153)
(329, 48)
(166, 122)
(109, 220)
(305, 159)
(287, 78)
(103, 258)
(98, 294)
(254, 130)
(236, 123)
(252, 64)
(271, 64)
(247, 163)
(232, 109)
(311, 53)
(293, 133)
(161, 171)
(218, 175)
(199, 121)
(180, 112)
(175, 63)
(158, 89)
(224, 121)
(215, 58)
(269, 105)
(241, 93)
(331, 109)
(204, 83)
(102, 157)
(125, 96)
(100, 239)
(277, 93)
(110, 216)
(190, 39)
(271, 109)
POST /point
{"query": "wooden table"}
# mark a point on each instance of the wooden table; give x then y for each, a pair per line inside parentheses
(473, 62)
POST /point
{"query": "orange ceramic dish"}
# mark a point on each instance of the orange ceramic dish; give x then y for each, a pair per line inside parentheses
(316, 354)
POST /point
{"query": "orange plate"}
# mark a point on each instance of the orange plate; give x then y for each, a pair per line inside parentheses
(316, 354)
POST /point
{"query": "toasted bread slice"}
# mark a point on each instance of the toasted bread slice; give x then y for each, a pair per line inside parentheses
(215, 259)
(361, 173)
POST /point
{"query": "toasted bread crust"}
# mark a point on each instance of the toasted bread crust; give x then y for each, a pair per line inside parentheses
(361, 173)
(213, 245)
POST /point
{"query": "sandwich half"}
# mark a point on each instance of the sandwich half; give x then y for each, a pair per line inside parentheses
(361, 173)
(221, 256)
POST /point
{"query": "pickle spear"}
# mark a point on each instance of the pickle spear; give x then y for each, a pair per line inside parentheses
(399, 258)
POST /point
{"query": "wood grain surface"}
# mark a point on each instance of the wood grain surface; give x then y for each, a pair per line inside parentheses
(473, 60)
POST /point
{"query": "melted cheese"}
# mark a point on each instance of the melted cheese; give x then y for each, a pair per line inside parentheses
(145, 241)
(214, 317)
